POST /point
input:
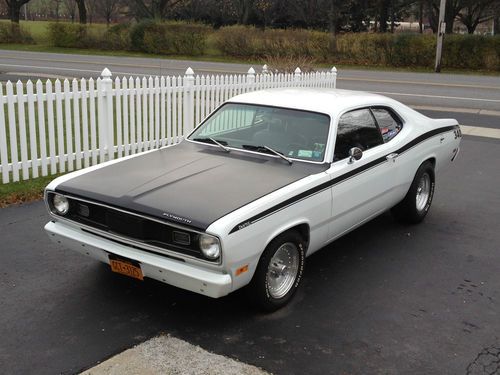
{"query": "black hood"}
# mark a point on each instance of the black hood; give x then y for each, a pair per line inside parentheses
(187, 183)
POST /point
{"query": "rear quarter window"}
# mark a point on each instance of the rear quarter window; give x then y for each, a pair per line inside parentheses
(389, 123)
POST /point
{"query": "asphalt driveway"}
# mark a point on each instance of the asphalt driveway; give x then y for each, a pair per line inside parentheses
(385, 299)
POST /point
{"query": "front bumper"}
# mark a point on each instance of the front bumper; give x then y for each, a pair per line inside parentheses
(173, 272)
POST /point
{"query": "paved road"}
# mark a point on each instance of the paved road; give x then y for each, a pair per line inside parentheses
(443, 90)
(386, 299)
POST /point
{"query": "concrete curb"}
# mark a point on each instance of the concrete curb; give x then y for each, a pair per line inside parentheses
(484, 112)
(480, 132)
(170, 355)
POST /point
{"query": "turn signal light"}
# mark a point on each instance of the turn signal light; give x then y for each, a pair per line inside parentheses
(241, 270)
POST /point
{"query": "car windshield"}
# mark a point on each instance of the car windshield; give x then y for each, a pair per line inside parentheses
(292, 133)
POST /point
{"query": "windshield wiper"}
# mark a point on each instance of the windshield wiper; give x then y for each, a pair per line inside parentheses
(211, 140)
(268, 149)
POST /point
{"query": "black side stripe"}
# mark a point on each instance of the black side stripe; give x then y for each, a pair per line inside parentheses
(317, 189)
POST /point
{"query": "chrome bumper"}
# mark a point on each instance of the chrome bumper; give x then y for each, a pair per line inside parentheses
(182, 275)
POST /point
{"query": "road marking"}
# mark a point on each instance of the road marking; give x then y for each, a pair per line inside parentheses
(480, 131)
(71, 70)
(109, 64)
(169, 355)
(474, 111)
(148, 66)
(437, 96)
(426, 83)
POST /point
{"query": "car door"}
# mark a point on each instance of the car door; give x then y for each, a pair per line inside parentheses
(362, 188)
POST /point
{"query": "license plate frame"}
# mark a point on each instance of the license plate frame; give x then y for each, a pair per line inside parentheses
(127, 267)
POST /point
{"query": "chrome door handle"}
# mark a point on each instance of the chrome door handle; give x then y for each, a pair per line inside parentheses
(392, 156)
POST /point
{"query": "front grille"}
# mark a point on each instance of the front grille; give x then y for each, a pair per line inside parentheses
(137, 228)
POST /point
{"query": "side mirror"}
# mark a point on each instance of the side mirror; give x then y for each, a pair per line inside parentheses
(355, 153)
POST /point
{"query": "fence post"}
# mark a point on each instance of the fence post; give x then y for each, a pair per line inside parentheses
(265, 69)
(297, 76)
(105, 115)
(334, 72)
(251, 79)
(188, 101)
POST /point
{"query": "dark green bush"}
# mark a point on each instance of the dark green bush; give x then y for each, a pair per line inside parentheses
(155, 40)
(245, 41)
(69, 35)
(169, 38)
(401, 49)
(13, 33)
(117, 37)
(187, 38)
(75, 35)
(235, 41)
(137, 34)
(413, 50)
(471, 52)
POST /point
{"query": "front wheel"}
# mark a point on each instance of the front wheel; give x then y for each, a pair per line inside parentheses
(279, 272)
(414, 207)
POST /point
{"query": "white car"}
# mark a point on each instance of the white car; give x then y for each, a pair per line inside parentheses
(268, 179)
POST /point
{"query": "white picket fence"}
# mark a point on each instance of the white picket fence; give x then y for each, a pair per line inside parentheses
(54, 127)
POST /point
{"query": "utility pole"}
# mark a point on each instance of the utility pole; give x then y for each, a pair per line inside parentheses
(440, 34)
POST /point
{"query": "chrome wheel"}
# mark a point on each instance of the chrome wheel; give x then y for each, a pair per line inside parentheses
(282, 270)
(423, 192)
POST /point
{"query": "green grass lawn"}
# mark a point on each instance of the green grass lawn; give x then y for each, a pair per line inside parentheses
(23, 191)
(39, 30)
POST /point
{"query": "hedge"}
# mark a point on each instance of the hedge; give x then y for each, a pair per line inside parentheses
(169, 38)
(473, 52)
(13, 33)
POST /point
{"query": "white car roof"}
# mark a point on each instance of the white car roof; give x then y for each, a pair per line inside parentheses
(329, 101)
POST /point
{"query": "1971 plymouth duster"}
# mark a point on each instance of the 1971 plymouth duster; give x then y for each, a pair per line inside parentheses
(266, 180)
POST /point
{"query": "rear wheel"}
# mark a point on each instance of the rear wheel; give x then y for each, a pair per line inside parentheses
(279, 272)
(417, 202)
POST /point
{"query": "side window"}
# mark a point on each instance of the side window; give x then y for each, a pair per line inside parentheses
(388, 122)
(356, 129)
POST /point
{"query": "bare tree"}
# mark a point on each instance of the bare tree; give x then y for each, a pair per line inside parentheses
(70, 6)
(108, 8)
(14, 8)
(473, 13)
(92, 9)
(453, 7)
(151, 8)
(244, 8)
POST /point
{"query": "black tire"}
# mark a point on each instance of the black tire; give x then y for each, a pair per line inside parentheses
(408, 210)
(260, 290)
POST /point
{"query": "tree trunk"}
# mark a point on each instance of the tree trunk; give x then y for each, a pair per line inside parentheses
(82, 11)
(14, 11)
(384, 16)
(421, 17)
(449, 16)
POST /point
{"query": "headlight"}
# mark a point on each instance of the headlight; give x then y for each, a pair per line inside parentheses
(210, 246)
(60, 204)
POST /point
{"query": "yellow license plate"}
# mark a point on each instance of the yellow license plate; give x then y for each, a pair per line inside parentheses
(125, 267)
